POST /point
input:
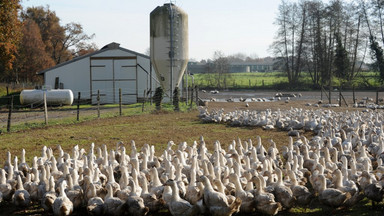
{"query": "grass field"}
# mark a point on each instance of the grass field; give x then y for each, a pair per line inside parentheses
(268, 80)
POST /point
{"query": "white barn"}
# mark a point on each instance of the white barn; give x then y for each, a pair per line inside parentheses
(107, 70)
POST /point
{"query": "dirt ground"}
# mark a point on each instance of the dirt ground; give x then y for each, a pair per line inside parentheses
(306, 98)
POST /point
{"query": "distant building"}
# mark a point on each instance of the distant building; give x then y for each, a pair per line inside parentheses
(198, 67)
(239, 67)
(264, 65)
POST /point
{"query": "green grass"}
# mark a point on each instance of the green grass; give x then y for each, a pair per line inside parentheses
(278, 80)
(244, 80)
(127, 110)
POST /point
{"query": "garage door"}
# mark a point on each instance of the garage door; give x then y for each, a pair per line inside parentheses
(108, 75)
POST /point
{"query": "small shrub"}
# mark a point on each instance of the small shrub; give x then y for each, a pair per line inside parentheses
(158, 97)
(176, 99)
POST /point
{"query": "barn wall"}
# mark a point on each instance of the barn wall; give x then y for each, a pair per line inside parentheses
(74, 76)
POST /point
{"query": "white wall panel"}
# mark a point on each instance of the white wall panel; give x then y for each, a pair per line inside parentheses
(125, 68)
(74, 76)
(102, 69)
(106, 91)
(128, 91)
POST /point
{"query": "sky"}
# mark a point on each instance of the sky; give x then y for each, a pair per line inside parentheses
(242, 26)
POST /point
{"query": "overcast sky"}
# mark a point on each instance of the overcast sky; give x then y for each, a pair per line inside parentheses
(242, 26)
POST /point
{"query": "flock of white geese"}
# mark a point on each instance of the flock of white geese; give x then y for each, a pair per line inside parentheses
(294, 118)
(339, 167)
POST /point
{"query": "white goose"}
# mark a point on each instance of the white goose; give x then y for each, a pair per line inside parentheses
(265, 202)
(283, 193)
(21, 197)
(301, 193)
(150, 200)
(95, 205)
(134, 205)
(75, 194)
(49, 197)
(247, 204)
(178, 206)
(62, 205)
(112, 205)
(111, 180)
(331, 196)
(217, 203)
(5, 188)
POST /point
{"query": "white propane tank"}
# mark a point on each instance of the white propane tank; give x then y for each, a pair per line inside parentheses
(54, 97)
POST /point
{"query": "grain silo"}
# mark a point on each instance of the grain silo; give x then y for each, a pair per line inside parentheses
(169, 45)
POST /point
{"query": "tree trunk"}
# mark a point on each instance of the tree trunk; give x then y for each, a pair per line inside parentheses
(299, 51)
(354, 57)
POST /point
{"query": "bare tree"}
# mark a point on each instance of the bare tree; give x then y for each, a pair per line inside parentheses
(288, 44)
(376, 49)
(306, 40)
(74, 34)
(221, 69)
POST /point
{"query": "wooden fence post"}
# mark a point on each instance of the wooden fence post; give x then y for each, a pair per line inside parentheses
(98, 103)
(120, 101)
(321, 95)
(78, 106)
(191, 97)
(197, 96)
(329, 98)
(340, 96)
(45, 108)
(10, 113)
(353, 92)
(144, 99)
(377, 96)
(7, 91)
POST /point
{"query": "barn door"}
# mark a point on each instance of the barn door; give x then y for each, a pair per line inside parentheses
(102, 80)
(126, 78)
(109, 74)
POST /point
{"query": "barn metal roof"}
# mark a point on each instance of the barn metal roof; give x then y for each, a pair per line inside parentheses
(107, 47)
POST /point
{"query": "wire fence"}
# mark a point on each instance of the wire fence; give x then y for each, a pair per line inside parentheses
(16, 116)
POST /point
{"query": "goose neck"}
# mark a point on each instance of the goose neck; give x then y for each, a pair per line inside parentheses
(109, 192)
(62, 189)
(155, 177)
(175, 192)
(110, 175)
(144, 186)
(323, 184)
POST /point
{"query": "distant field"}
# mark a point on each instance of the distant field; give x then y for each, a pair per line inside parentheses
(269, 80)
